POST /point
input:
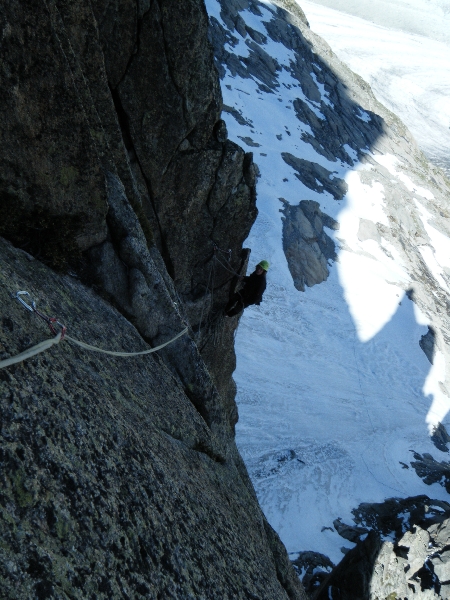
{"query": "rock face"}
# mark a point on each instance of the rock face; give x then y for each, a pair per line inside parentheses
(313, 568)
(53, 194)
(120, 477)
(427, 343)
(112, 482)
(306, 245)
(431, 470)
(94, 107)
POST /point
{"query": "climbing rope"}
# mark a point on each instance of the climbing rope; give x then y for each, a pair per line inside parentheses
(60, 336)
(219, 331)
(227, 252)
(210, 286)
(45, 345)
(226, 267)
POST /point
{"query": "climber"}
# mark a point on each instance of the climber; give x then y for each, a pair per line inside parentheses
(251, 293)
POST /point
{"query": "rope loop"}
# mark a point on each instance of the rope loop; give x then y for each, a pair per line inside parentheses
(227, 267)
(59, 336)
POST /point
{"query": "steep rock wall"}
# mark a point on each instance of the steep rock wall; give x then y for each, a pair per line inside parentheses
(123, 479)
(401, 552)
(102, 101)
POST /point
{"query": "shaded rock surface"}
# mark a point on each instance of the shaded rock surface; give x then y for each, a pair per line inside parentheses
(47, 180)
(431, 470)
(316, 177)
(306, 245)
(100, 100)
(440, 437)
(122, 479)
(113, 484)
(313, 568)
(427, 343)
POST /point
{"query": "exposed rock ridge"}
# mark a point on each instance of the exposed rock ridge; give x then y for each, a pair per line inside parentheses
(306, 245)
(112, 484)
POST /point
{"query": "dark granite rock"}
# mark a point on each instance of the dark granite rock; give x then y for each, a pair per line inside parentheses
(135, 86)
(350, 532)
(427, 343)
(313, 568)
(431, 470)
(440, 438)
(112, 483)
(117, 23)
(315, 176)
(306, 245)
(53, 195)
(237, 115)
(123, 479)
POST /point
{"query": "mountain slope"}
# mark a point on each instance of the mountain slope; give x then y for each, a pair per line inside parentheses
(402, 51)
(334, 389)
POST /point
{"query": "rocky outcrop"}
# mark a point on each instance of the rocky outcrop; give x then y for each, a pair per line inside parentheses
(440, 438)
(316, 177)
(120, 477)
(427, 343)
(53, 194)
(431, 470)
(403, 554)
(306, 245)
(313, 568)
(93, 107)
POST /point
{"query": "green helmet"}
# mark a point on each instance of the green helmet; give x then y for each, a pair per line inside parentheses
(264, 265)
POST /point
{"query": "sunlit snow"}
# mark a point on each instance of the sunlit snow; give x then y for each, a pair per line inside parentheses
(392, 165)
(440, 245)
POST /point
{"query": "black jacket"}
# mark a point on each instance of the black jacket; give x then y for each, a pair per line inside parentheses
(254, 287)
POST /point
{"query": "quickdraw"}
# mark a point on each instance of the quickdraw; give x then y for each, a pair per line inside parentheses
(51, 321)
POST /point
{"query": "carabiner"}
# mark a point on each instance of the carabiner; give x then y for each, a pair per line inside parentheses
(31, 308)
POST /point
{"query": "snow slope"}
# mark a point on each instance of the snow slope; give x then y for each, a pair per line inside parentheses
(334, 391)
(402, 49)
